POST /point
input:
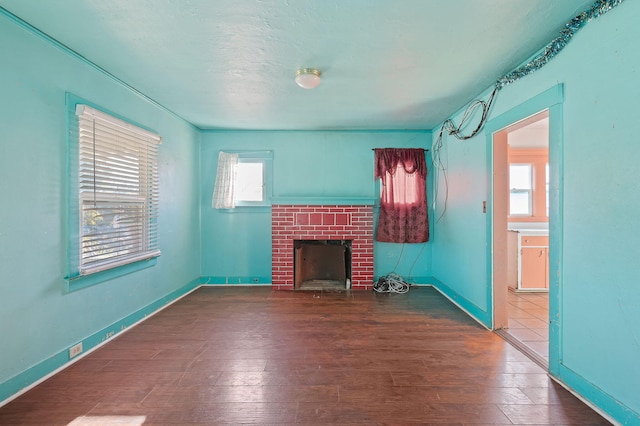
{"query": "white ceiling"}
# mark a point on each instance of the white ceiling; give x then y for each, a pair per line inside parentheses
(230, 64)
(534, 134)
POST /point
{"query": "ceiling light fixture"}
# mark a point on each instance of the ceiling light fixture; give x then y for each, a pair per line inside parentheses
(308, 78)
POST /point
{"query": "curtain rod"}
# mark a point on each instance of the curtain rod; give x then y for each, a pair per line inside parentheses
(373, 149)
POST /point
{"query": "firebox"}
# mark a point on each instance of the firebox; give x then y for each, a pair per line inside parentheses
(322, 264)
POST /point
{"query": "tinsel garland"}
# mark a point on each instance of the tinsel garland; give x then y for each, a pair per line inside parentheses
(600, 7)
(552, 49)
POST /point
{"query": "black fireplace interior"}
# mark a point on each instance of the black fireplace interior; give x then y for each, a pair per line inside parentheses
(322, 264)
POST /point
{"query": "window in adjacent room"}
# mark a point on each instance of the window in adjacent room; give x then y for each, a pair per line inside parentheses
(242, 179)
(118, 191)
(520, 184)
(546, 180)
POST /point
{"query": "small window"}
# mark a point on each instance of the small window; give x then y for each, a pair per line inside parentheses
(249, 187)
(117, 192)
(520, 193)
(242, 179)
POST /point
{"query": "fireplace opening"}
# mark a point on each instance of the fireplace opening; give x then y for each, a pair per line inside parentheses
(322, 264)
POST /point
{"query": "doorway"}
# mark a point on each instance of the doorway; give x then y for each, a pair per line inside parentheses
(521, 234)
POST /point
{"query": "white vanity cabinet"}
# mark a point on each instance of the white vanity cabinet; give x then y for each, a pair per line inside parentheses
(534, 262)
(528, 260)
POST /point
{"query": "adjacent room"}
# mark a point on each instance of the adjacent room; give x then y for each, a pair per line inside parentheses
(303, 212)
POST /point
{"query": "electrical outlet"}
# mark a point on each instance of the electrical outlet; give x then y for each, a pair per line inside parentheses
(75, 350)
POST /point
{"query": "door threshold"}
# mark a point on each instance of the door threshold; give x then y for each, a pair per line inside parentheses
(526, 350)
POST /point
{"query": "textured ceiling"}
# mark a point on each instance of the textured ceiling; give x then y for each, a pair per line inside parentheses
(230, 64)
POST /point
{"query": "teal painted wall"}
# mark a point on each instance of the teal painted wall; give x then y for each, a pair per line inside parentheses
(39, 319)
(305, 164)
(598, 293)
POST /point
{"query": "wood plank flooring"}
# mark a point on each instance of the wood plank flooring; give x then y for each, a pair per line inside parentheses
(252, 355)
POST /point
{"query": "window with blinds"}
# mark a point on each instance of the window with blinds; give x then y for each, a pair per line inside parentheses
(118, 191)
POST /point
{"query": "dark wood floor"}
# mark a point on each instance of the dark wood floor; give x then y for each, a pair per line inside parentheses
(250, 355)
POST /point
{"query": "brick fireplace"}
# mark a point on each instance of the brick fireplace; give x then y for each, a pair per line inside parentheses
(290, 223)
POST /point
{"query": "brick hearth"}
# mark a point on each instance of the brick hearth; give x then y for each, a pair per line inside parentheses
(303, 222)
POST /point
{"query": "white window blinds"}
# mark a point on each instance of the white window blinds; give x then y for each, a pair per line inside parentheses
(118, 191)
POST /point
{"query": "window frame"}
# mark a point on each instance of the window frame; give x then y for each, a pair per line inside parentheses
(265, 201)
(529, 191)
(79, 274)
(539, 158)
(266, 159)
(547, 185)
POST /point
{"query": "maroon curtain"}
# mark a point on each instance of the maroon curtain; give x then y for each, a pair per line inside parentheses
(403, 203)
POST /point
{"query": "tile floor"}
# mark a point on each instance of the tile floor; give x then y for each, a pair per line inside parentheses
(529, 320)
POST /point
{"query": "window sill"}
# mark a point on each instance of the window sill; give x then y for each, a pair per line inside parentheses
(82, 281)
(246, 209)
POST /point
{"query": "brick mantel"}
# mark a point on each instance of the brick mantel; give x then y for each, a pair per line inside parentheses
(322, 222)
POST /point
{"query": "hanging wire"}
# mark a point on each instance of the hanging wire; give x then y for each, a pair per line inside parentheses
(415, 261)
(399, 257)
(394, 283)
(449, 127)
(391, 283)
